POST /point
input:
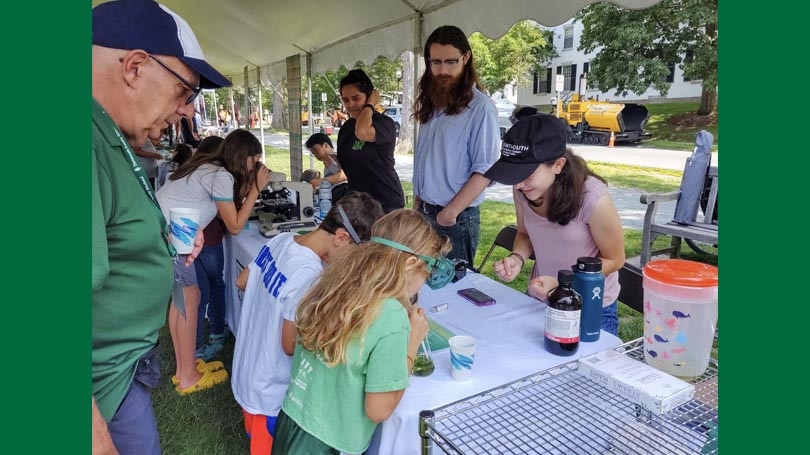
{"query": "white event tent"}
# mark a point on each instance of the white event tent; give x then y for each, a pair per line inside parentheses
(255, 37)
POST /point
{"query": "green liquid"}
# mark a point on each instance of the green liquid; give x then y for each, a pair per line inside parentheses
(422, 365)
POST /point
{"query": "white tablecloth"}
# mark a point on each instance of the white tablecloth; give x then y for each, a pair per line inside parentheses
(510, 347)
(240, 250)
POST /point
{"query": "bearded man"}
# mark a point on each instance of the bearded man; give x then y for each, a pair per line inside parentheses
(457, 141)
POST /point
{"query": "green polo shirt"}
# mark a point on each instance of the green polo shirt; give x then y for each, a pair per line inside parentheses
(132, 270)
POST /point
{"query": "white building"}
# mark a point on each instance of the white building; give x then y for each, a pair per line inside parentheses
(571, 63)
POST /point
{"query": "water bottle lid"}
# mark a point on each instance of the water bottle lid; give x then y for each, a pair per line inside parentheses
(588, 264)
(565, 276)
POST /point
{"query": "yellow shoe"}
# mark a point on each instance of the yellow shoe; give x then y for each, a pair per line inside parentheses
(213, 365)
(202, 367)
(209, 379)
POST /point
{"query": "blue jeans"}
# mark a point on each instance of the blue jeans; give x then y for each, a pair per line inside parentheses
(133, 428)
(210, 265)
(610, 318)
(464, 235)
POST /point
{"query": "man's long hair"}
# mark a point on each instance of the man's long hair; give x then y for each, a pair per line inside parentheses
(424, 107)
(347, 299)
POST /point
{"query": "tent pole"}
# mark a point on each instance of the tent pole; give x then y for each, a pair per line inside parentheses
(260, 110)
(245, 102)
(418, 66)
(309, 105)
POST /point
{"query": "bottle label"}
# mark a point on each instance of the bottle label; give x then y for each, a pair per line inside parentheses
(562, 326)
(325, 205)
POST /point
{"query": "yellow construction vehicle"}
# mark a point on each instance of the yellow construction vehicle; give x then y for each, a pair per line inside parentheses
(592, 121)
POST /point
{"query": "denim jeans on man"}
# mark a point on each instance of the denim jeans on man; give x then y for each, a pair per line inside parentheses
(133, 428)
(464, 235)
(210, 266)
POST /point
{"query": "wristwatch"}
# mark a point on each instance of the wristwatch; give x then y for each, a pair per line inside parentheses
(371, 106)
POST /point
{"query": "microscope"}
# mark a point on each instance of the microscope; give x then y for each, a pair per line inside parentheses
(285, 206)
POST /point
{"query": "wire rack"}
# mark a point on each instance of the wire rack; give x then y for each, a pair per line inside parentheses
(560, 412)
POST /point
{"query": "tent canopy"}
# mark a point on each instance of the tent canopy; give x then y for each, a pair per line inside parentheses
(262, 33)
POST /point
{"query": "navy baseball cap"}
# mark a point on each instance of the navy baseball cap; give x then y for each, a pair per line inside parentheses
(531, 141)
(151, 26)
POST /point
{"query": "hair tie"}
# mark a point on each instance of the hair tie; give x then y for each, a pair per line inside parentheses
(522, 261)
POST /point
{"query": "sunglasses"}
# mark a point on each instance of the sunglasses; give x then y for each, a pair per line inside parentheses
(195, 89)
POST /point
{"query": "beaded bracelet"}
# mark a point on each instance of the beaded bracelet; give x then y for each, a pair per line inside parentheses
(522, 261)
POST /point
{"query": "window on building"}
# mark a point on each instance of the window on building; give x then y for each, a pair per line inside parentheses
(670, 77)
(586, 68)
(569, 73)
(688, 58)
(542, 81)
(569, 37)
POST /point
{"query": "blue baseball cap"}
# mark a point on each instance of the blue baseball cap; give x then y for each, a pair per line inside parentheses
(151, 26)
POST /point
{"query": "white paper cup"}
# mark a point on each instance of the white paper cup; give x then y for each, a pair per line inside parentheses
(183, 225)
(462, 356)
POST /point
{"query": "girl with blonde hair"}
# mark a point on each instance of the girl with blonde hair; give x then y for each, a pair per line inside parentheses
(358, 336)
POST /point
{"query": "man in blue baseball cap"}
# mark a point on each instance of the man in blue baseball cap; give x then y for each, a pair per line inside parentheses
(147, 70)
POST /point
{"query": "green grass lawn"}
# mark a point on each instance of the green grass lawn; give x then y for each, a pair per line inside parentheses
(676, 136)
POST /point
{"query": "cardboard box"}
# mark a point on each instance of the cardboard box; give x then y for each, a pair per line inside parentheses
(656, 391)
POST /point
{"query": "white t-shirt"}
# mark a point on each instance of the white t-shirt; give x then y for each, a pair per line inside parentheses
(150, 165)
(280, 275)
(198, 190)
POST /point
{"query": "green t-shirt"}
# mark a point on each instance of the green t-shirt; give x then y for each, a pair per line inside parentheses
(132, 270)
(329, 403)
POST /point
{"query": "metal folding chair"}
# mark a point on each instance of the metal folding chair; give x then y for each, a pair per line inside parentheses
(504, 239)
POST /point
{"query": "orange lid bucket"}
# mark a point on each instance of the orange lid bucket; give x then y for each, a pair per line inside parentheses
(680, 272)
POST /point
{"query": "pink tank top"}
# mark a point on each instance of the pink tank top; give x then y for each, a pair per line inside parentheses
(557, 247)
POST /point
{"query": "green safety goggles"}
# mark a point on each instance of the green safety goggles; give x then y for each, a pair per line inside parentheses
(441, 269)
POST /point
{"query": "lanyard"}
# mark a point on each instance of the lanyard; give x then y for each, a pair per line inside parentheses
(147, 188)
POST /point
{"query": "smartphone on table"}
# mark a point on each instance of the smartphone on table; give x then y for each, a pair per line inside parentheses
(477, 297)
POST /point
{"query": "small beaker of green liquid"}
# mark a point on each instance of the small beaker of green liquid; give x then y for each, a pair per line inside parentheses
(423, 362)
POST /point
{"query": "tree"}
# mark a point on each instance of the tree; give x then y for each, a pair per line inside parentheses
(636, 47)
(327, 82)
(383, 73)
(520, 51)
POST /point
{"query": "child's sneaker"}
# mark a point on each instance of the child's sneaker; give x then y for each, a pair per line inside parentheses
(210, 350)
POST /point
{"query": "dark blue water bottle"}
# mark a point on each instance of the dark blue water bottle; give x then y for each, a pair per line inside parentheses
(590, 284)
